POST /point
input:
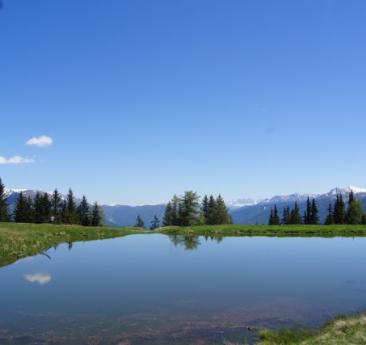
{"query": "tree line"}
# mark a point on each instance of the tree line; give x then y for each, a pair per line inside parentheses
(187, 210)
(45, 208)
(338, 213)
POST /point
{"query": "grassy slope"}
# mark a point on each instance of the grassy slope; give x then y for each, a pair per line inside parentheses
(21, 240)
(342, 331)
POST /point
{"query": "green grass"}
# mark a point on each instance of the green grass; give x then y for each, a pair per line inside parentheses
(342, 331)
(266, 230)
(21, 240)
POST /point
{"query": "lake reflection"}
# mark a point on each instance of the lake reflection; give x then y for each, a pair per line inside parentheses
(155, 289)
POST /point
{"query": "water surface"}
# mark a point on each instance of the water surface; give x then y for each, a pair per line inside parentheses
(155, 289)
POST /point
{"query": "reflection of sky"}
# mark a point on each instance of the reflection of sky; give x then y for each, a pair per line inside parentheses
(39, 278)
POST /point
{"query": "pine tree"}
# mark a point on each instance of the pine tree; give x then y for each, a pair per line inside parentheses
(339, 210)
(71, 216)
(139, 222)
(211, 218)
(364, 219)
(271, 217)
(286, 216)
(175, 210)
(20, 213)
(56, 203)
(308, 212)
(295, 217)
(155, 223)
(45, 208)
(354, 211)
(38, 218)
(276, 218)
(205, 208)
(222, 213)
(330, 219)
(314, 215)
(96, 215)
(4, 212)
(188, 212)
(83, 212)
(168, 215)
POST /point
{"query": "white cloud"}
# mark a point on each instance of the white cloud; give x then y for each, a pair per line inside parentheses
(41, 141)
(15, 160)
(39, 278)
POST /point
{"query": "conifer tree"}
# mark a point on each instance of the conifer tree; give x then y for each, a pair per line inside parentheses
(38, 217)
(56, 203)
(205, 208)
(286, 215)
(364, 219)
(21, 209)
(71, 213)
(168, 215)
(45, 208)
(295, 217)
(276, 218)
(222, 213)
(83, 212)
(139, 222)
(175, 210)
(155, 223)
(271, 217)
(307, 214)
(314, 215)
(4, 212)
(329, 219)
(354, 211)
(96, 215)
(211, 217)
(188, 212)
(339, 210)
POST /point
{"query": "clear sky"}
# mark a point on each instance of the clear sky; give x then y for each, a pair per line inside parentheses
(144, 99)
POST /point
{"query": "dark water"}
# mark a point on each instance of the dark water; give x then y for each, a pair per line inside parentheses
(152, 289)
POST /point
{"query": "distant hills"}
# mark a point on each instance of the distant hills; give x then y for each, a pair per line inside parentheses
(243, 211)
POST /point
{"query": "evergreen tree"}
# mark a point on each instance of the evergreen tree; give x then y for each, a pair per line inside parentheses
(96, 215)
(63, 212)
(139, 222)
(168, 215)
(314, 215)
(308, 212)
(56, 203)
(189, 209)
(271, 217)
(364, 219)
(330, 219)
(295, 217)
(21, 210)
(276, 218)
(355, 211)
(45, 208)
(38, 216)
(155, 223)
(205, 208)
(4, 212)
(211, 217)
(71, 216)
(286, 215)
(222, 213)
(83, 212)
(339, 210)
(175, 210)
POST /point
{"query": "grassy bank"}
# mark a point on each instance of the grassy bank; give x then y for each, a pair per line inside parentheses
(266, 230)
(21, 240)
(342, 331)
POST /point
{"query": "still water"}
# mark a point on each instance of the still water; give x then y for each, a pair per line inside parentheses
(155, 289)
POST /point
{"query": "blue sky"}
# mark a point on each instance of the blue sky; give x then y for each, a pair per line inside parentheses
(144, 99)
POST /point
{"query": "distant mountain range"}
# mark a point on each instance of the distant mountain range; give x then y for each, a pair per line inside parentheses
(243, 211)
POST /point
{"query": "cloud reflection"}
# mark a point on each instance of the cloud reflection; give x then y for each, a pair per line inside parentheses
(39, 278)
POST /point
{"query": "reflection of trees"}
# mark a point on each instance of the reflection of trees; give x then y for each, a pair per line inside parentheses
(191, 242)
(188, 242)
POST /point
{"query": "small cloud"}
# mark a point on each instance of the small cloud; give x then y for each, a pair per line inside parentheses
(15, 160)
(39, 278)
(42, 141)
